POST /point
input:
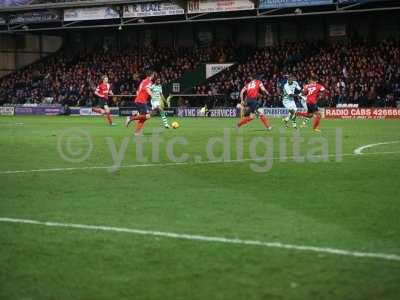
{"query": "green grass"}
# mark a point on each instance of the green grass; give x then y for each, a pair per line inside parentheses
(352, 205)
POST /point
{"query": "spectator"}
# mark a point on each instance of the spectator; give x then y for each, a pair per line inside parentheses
(71, 80)
(353, 72)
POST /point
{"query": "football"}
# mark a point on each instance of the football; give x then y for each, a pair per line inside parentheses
(175, 125)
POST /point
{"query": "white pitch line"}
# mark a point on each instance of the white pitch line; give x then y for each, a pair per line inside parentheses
(214, 239)
(85, 168)
(359, 150)
(171, 164)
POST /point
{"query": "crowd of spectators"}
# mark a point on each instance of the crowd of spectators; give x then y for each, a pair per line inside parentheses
(355, 71)
(367, 74)
(269, 65)
(71, 80)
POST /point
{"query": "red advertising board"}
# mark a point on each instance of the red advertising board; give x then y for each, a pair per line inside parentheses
(362, 113)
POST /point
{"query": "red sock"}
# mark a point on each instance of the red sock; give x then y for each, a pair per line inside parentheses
(139, 118)
(264, 120)
(316, 121)
(244, 121)
(109, 118)
(139, 126)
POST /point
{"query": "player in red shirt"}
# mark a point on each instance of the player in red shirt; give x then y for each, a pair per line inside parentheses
(143, 95)
(252, 90)
(102, 92)
(312, 91)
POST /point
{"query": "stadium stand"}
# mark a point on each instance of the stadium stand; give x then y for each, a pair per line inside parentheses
(355, 72)
(69, 80)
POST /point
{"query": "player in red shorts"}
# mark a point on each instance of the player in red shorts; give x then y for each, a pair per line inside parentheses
(102, 92)
(312, 90)
(252, 90)
(143, 96)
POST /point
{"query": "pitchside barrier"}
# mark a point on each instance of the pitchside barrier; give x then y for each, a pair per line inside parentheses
(127, 111)
(20, 110)
(362, 113)
(228, 112)
(87, 111)
(31, 110)
(272, 112)
(39, 110)
(7, 111)
(216, 112)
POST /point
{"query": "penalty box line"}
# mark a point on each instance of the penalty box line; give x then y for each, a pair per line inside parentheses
(9, 172)
(212, 239)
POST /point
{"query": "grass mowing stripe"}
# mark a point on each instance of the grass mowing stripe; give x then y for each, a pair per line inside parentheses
(215, 239)
(175, 164)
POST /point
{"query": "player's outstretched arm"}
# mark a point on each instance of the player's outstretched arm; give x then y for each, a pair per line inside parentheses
(97, 92)
(148, 90)
(262, 87)
(242, 94)
(168, 100)
(164, 102)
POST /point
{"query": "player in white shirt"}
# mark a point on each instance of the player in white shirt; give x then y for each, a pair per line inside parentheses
(157, 102)
(290, 90)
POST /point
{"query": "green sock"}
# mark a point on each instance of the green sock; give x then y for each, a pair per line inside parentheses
(164, 119)
(293, 116)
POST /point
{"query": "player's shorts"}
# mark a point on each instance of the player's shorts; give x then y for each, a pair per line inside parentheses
(289, 104)
(252, 105)
(155, 104)
(142, 108)
(312, 108)
(101, 102)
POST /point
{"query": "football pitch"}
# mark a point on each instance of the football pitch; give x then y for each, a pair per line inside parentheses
(206, 212)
